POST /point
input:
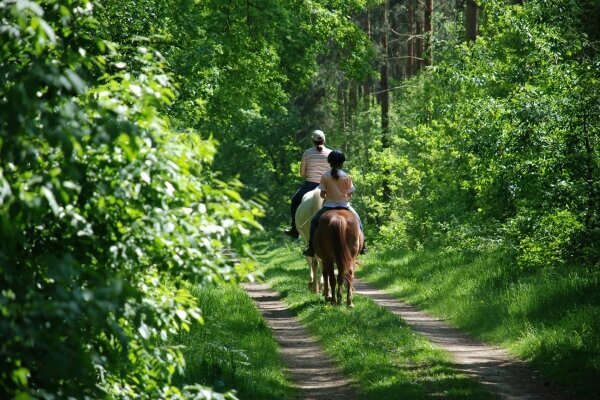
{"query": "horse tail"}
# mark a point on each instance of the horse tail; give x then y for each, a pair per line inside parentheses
(343, 257)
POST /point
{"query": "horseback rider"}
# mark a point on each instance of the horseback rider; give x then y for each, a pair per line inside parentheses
(313, 166)
(336, 188)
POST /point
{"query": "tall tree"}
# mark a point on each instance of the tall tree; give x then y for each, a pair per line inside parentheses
(410, 48)
(428, 30)
(472, 11)
(384, 95)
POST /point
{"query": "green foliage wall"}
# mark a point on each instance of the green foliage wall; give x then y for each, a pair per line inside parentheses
(107, 213)
(499, 142)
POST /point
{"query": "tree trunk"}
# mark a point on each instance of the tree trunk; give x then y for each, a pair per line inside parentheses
(341, 100)
(471, 19)
(410, 45)
(428, 31)
(366, 92)
(418, 45)
(384, 86)
(395, 47)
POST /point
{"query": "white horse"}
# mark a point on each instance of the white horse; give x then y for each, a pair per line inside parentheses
(311, 203)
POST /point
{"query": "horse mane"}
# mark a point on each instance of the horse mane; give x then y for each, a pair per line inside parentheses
(316, 200)
(310, 204)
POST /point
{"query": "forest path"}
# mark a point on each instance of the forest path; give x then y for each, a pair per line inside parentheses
(309, 368)
(496, 369)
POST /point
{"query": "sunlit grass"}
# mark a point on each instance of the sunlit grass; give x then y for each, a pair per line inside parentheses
(234, 348)
(549, 318)
(374, 347)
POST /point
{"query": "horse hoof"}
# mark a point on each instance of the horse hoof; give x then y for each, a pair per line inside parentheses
(350, 305)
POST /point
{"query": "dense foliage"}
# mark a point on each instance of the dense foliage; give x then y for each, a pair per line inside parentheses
(528, 133)
(106, 213)
(498, 143)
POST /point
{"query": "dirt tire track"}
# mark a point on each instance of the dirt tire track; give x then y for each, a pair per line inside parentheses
(308, 367)
(496, 369)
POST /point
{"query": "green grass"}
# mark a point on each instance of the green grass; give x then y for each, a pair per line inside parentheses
(374, 347)
(234, 348)
(551, 319)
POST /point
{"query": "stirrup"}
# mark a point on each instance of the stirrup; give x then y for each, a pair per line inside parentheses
(309, 252)
(363, 249)
(292, 233)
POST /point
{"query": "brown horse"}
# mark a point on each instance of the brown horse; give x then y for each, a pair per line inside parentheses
(337, 240)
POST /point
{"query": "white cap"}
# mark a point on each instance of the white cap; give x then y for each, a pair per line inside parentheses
(318, 136)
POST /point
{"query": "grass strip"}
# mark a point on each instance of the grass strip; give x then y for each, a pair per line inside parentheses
(234, 348)
(551, 318)
(374, 347)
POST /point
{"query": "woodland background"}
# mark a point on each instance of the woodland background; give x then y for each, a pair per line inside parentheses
(141, 139)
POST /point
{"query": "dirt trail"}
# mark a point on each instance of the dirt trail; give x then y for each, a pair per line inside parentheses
(310, 369)
(495, 368)
(313, 372)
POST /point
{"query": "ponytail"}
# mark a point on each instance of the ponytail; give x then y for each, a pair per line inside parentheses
(336, 159)
(335, 173)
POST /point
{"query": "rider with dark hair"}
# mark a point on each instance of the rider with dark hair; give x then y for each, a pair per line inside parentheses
(312, 167)
(336, 188)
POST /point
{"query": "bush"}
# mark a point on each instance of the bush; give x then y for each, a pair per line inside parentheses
(105, 214)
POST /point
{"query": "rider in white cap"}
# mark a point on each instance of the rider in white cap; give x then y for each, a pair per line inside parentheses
(314, 164)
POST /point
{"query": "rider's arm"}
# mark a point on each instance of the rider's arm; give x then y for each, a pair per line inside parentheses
(303, 168)
(349, 188)
(323, 187)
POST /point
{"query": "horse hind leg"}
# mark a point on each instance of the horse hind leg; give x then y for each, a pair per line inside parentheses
(315, 275)
(340, 285)
(349, 290)
(327, 281)
(330, 275)
(311, 277)
(321, 283)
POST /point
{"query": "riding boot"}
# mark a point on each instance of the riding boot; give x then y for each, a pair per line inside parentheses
(293, 233)
(363, 248)
(309, 251)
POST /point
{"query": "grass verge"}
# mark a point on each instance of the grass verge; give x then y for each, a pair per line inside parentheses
(234, 348)
(551, 318)
(374, 347)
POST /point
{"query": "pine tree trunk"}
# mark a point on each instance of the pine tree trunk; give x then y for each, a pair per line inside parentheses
(410, 47)
(418, 45)
(341, 100)
(395, 47)
(384, 86)
(428, 30)
(471, 19)
(366, 92)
